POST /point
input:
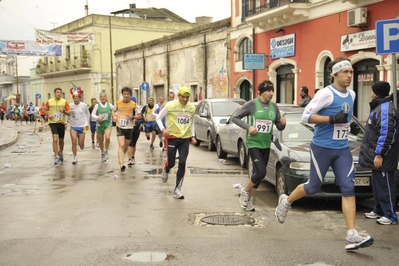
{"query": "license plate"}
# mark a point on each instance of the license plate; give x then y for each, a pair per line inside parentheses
(362, 181)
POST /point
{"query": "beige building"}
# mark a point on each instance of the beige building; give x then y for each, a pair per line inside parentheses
(92, 67)
(194, 58)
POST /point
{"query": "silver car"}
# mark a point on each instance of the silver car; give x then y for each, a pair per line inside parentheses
(209, 115)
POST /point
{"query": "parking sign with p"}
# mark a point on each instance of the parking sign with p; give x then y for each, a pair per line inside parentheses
(387, 34)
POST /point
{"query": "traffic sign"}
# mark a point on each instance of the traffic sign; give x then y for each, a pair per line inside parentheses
(38, 96)
(145, 86)
(387, 34)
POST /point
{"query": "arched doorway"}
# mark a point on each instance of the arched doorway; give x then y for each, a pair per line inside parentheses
(285, 84)
(364, 76)
(245, 92)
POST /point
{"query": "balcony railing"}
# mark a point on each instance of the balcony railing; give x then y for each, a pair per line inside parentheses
(270, 5)
(54, 65)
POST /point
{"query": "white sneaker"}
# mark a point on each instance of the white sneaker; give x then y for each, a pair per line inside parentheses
(385, 221)
(75, 160)
(165, 176)
(93, 145)
(244, 194)
(177, 194)
(359, 240)
(281, 209)
(372, 215)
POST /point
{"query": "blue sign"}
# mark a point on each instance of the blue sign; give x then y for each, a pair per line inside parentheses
(387, 34)
(283, 46)
(254, 61)
(38, 96)
(145, 86)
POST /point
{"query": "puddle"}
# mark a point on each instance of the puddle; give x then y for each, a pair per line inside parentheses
(148, 256)
(198, 170)
(156, 171)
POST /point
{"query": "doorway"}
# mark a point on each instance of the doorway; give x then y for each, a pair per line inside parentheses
(245, 92)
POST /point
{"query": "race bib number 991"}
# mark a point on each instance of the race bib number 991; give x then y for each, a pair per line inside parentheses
(263, 126)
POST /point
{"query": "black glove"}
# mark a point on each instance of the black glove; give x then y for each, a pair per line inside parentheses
(355, 128)
(340, 117)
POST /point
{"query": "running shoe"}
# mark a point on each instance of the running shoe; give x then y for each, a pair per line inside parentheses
(148, 138)
(385, 221)
(372, 215)
(123, 168)
(97, 145)
(61, 156)
(160, 144)
(165, 176)
(106, 154)
(75, 161)
(103, 159)
(130, 163)
(359, 240)
(282, 208)
(177, 194)
(243, 199)
(151, 146)
(249, 207)
(93, 145)
(57, 161)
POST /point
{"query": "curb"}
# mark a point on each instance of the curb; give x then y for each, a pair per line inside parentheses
(11, 140)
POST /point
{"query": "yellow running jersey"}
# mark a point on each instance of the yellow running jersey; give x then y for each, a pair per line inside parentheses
(179, 119)
(124, 117)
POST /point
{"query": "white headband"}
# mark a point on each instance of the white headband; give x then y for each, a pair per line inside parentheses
(340, 65)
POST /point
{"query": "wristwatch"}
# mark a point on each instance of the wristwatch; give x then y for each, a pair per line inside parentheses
(378, 156)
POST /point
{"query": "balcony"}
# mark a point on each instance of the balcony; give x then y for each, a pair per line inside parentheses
(6, 79)
(276, 13)
(58, 66)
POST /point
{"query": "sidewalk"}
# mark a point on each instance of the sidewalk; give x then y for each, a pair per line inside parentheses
(8, 134)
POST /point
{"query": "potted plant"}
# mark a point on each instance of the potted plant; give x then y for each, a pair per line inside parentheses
(59, 61)
(67, 59)
(51, 62)
(85, 54)
(75, 57)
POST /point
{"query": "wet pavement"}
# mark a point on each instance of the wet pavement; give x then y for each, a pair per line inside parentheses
(92, 214)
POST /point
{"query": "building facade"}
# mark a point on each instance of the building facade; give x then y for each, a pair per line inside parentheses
(300, 37)
(195, 58)
(92, 67)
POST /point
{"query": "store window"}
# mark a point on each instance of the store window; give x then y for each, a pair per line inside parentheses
(285, 92)
(245, 47)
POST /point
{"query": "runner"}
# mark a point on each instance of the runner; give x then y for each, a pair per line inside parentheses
(93, 124)
(131, 151)
(150, 128)
(56, 110)
(79, 120)
(102, 113)
(178, 134)
(124, 123)
(157, 108)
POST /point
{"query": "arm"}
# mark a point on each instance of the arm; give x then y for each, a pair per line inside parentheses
(321, 100)
(160, 116)
(67, 109)
(246, 109)
(386, 126)
(280, 122)
(94, 115)
(88, 116)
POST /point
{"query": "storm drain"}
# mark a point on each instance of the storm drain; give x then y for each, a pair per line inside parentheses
(228, 220)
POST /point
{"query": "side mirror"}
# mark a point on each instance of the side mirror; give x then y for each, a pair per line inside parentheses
(223, 121)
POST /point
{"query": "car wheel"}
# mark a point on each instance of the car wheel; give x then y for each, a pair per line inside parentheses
(280, 183)
(211, 145)
(219, 151)
(242, 154)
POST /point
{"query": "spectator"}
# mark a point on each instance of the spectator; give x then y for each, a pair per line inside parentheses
(305, 97)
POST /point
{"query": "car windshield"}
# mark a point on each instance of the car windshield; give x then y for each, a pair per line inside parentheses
(296, 130)
(225, 108)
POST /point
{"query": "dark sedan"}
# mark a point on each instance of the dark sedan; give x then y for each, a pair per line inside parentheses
(289, 161)
(210, 114)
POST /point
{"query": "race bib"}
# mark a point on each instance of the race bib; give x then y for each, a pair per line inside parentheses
(183, 119)
(341, 131)
(123, 122)
(57, 116)
(104, 116)
(263, 126)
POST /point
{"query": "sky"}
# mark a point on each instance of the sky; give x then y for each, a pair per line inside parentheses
(19, 18)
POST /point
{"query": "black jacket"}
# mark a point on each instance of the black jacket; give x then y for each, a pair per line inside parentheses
(305, 100)
(380, 136)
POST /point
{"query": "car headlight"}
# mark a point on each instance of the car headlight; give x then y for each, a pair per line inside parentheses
(300, 166)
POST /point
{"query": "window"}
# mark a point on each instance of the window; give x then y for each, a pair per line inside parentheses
(244, 48)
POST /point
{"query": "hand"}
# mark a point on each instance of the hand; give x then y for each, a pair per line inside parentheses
(193, 140)
(252, 130)
(378, 161)
(165, 132)
(354, 128)
(100, 119)
(283, 121)
(340, 117)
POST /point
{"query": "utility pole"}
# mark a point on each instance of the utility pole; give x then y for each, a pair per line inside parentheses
(111, 56)
(18, 99)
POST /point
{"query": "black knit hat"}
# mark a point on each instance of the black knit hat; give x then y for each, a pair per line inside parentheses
(381, 88)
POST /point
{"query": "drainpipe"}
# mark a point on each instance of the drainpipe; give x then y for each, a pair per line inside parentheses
(144, 77)
(205, 81)
(167, 69)
(253, 71)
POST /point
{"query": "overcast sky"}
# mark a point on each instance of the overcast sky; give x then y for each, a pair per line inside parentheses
(19, 18)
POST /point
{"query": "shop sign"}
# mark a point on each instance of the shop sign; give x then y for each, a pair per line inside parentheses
(358, 41)
(283, 46)
(365, 77)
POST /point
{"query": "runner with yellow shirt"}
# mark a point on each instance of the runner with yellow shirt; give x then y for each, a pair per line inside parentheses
(179, 133)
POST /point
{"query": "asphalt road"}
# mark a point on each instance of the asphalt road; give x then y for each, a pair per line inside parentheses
(83, 215)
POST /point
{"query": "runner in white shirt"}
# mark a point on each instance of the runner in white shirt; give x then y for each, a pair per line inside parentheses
(79, 119)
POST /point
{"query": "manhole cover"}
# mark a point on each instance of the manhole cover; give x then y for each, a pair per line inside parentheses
(228, 220)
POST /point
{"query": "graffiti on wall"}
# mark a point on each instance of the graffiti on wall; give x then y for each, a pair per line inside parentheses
(217, 88)
(158, 76)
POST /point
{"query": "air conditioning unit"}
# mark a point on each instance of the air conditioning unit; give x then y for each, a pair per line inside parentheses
(357, 17)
